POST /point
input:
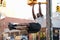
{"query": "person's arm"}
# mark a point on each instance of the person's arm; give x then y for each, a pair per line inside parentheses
(41, 15)
(33, 12)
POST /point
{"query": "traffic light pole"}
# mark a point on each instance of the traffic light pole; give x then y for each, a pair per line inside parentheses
(48, 19)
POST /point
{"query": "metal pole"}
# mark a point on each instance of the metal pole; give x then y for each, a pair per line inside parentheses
(48, 19)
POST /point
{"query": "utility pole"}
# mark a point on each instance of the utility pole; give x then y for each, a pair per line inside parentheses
(48, 19)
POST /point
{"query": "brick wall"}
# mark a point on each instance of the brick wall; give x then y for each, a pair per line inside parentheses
(4, 23)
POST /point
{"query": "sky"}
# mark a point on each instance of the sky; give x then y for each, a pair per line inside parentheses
(20, 9)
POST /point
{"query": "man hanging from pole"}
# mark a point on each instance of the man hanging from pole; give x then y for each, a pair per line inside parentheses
(39, 18)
